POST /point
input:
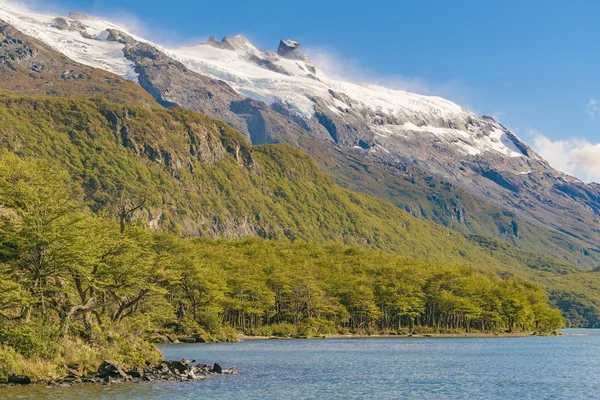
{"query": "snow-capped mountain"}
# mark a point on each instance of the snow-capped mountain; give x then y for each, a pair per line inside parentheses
(287, 78)
(282, 97)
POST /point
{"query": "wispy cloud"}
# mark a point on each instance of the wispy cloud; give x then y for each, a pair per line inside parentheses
(350, 69)
(577, 157)
(592, 108)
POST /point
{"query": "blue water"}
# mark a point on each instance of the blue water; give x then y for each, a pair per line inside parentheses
(566, 367)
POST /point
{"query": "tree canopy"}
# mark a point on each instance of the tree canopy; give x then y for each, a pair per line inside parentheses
(68, 275)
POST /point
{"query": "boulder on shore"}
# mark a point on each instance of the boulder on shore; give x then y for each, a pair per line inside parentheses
(110, 369)
(19, 379)
(177, 366)
(110, 372)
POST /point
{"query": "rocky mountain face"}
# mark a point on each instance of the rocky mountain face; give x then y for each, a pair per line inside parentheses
(438, 200)
(173, 84)
(282, 97)
(291, 50)
(29, 66)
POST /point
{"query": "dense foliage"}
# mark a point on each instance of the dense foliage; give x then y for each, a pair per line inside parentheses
(182, 172)
(201, 178)
(76, 288)
(325, 289)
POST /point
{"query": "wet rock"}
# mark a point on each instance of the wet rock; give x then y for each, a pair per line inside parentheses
(177, 366)
(110, 369)
(137, 373)
(71, 379)
(191, 376)
(92, 379)
(109, 372)
(162, 368)
(19, 379)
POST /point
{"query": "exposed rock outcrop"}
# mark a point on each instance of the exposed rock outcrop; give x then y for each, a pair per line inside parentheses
(172, 84)
(110, 372)
(213, 41)
(29, 66)
(372, 128)
(291, 50)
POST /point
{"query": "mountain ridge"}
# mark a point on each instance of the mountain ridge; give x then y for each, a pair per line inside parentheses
(492, 178)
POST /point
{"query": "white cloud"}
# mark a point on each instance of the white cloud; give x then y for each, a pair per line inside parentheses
(577, 157)
(350, 69)
(592, 108)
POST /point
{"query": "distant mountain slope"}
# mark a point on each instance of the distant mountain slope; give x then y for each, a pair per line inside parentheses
(202, 178)
(435, 199)
(387, 127)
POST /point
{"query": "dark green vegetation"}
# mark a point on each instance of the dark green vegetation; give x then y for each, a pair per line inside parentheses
(197, 177)
(77, 287)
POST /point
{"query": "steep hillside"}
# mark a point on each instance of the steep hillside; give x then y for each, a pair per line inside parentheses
(79, 288)
(201, 178)
(196, 176)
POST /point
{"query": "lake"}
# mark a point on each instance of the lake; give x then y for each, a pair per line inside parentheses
(566, 367)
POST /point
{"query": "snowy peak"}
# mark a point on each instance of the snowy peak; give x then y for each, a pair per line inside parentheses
(241, 44)
(77, 38)
(287, 81)
(282, 97)
(291, 50)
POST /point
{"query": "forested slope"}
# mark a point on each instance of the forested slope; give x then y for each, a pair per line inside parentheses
(77, 288)
(182, 172)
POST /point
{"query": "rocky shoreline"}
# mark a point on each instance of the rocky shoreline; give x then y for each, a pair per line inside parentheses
(110, 372)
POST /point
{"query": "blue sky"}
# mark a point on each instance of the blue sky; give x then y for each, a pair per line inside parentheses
(533, 65)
